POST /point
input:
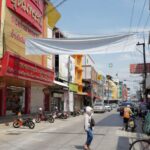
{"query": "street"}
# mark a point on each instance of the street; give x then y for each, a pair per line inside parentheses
(68, 135)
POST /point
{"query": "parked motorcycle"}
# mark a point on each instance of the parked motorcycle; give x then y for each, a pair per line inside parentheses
(75, 113)
(44, 117)
(24, 122)
(60, 115)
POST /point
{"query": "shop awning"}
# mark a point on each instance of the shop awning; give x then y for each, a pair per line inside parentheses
(60, 83)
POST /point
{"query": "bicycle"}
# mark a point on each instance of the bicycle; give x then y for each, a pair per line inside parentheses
(142, 144)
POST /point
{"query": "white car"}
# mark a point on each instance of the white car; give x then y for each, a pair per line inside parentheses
(108, 108)
(99, 107)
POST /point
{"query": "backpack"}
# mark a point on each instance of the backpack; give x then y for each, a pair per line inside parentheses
(92, 123)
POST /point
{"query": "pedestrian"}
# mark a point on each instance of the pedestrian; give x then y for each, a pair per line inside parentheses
(88, 126)
(126, 116)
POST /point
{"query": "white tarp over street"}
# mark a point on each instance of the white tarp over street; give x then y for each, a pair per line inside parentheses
(92, 45)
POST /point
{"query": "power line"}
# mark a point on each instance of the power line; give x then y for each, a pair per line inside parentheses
(141, 15)
(131, 18)
(147, 20)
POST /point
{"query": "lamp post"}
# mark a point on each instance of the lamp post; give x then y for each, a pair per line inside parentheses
(145, 69)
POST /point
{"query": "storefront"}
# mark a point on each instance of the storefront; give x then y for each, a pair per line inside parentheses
(21, 83)
(58, 96)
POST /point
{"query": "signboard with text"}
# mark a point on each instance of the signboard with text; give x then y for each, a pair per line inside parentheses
(16, 31)
(30, 10)
(16, 66)
(139, 68)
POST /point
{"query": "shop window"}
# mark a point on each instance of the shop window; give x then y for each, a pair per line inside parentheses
(14, 100)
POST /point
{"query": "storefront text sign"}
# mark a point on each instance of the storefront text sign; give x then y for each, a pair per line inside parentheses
(30, 10)
(21, 68)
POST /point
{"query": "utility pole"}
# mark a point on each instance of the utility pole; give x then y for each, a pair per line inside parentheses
(145, 68)
(108, 93)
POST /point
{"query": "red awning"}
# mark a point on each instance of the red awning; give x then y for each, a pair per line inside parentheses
(13, 65)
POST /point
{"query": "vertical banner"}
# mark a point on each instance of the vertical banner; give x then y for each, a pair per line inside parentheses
(63, 67)
(71, 101)
(50, 56)
(2, 18)
(72, 69)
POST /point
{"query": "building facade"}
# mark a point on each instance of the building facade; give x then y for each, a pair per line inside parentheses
(24, 79)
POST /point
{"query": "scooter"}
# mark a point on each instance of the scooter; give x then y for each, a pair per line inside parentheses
(60, 115)
(24, 122)
(44, 117)
(131, 123)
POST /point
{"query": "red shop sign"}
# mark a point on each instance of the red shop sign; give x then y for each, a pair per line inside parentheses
(30, 10)
(16, 66)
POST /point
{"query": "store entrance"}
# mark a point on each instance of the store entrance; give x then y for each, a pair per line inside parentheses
(15, 100)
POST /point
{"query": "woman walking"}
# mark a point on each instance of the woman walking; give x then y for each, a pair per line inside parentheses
(88, 126)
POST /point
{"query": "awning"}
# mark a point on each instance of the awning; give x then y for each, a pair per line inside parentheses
(60, 83)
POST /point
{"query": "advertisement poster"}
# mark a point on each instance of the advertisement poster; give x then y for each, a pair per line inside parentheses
(72, 69)
(63, 67)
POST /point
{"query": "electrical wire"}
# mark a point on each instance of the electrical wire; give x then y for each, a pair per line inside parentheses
(141, 15)
(131, 18)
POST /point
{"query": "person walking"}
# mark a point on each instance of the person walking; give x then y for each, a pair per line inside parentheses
(88, 126)
(126, 116)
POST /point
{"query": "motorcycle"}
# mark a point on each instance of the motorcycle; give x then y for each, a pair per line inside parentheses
(44, 117)
(60, 115)
(131, 123)
(24, 122)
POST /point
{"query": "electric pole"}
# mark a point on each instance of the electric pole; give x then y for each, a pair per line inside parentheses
(145, 68)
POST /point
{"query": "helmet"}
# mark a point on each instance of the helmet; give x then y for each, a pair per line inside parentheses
(40, 109)
(128, 106)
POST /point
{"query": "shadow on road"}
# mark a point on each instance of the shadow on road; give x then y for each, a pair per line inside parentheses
(112, 120)
(69, 133)
(123, 143)
(79, 147)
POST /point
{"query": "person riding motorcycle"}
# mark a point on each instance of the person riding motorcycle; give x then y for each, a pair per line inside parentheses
(126, 116)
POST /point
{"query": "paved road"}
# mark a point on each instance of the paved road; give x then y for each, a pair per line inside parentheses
(68, 135)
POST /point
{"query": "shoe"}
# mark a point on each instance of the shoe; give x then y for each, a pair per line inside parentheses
(85, 147)
(88, 146)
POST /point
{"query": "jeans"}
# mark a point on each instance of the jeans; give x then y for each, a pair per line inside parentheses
(89, 136)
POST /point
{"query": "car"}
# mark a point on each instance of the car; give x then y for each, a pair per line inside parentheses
(108, 107)
(99, 107)
(114, 105)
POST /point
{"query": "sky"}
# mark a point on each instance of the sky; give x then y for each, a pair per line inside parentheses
(103, 17)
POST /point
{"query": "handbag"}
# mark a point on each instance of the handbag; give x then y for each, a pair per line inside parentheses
(92, 123)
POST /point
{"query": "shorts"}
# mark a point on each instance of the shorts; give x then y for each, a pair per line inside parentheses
(125, 120)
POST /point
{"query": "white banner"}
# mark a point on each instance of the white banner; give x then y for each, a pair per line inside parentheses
(72, 69)
(93, 45)
(63, 67)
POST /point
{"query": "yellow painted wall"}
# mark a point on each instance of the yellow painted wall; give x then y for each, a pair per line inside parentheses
(114, 89)
(78, 71)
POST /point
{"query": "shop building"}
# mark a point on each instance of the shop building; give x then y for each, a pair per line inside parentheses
(24, 79)
(91, 81)
(79, 95)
